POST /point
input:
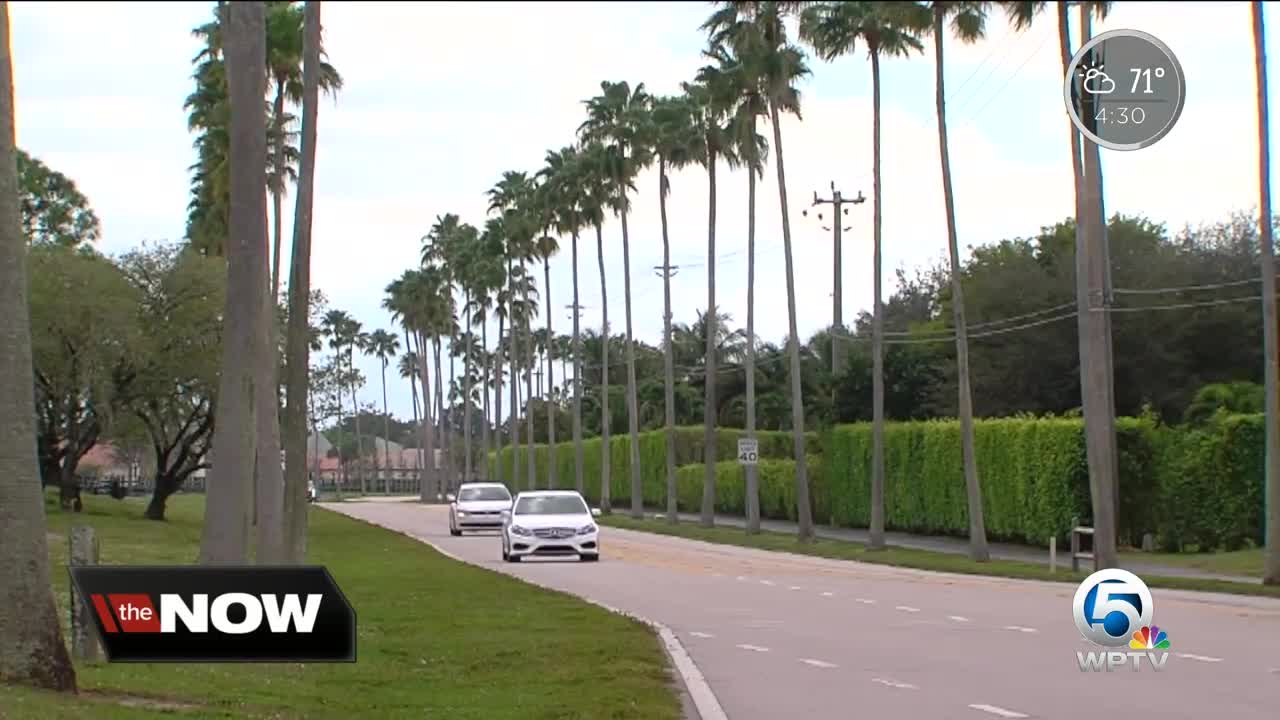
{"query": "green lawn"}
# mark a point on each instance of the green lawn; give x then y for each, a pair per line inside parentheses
(437, 639)
(1245, 563)
(918, 559)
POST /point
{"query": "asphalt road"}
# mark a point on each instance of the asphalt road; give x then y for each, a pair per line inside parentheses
(789, 636)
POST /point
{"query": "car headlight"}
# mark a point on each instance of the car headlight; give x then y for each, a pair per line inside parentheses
(586, 529)
(517, 530)
(462, 513)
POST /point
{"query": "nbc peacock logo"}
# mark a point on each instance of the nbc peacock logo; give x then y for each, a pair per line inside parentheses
(1112, 608)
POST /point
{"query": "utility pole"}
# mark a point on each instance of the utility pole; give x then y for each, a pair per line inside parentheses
(537, 374)
(838, 202)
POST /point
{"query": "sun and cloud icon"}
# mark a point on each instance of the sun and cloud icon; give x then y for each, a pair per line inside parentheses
(1098, 82)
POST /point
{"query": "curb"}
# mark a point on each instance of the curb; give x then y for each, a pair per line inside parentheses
(704, 698)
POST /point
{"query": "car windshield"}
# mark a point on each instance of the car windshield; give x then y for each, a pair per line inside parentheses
(483, 493)
(551, 505)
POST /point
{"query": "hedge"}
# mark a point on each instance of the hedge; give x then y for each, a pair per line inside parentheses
(777, 483)
(774, 445)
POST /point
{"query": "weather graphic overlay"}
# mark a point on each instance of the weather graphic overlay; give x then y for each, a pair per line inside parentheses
(1124, 90)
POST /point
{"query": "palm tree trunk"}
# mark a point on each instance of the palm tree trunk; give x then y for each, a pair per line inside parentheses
(355, 408)
(804, 512)
(446, 430)
(32, 651)
(709, 364)
(485, 369)
(413, 390)
(531, 467)
(419, 417)
(426, 480)
(553, 479)
(579, 481)
(877, 324)
(752, 478)
(497, 369)
(386, 429)
(341, 478)
(668, 354)
(1271, 561)
(513, 427)
(466, 392)
(606, 454)
(277, 193)
(228, 499)
(633, 421)
(268, 475)
(978, 550)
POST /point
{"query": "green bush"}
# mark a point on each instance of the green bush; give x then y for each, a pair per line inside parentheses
(773, 445)
(777, 483)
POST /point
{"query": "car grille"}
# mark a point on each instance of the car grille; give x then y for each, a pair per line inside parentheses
(482, 512)
(555, 550)
(554, 532)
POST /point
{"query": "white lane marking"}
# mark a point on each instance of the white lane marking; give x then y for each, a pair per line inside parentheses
(817, 663)
(895, 684)
(907, 608)
(701, 634)
(717, 574)
(998, 711)
(795, 587)
(1019, 628)
(766, 582)
(1201, 658)
(754, 648)
(958, 618)
(865, 601)
(828, 594)
(742, 577)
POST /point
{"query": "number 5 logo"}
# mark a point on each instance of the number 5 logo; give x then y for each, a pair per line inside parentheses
(1110, 605)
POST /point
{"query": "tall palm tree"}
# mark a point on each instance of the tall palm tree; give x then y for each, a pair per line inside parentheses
(384, 346)
(757, 31)
(357, 339)
(1271, 563)
(712, 96)
(887, 29)
(675, 141)
(225, 534)
(968, 23)
(563, 174)
(597, 197)
(408, 367)
(614, 119)
(747, 77)
(31, 637)
(333, 327)
(547, 247)
(298, 338)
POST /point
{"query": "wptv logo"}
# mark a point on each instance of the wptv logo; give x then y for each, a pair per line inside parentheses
(1113, 609)
(218, 614)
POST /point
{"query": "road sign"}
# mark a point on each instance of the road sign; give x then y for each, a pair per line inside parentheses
(748, 451)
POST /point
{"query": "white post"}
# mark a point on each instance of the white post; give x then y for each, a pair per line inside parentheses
(1053, 554)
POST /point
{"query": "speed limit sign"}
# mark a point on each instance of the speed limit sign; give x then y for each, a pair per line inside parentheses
(748, 451)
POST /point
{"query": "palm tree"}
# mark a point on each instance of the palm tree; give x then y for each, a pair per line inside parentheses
(746, 77)
(968, 21)
(1271, 564)
(597, 196)
(547, 247)
(333, 326)
(299, 338)
(563, 174)
(225, 534)
(30, 634)
(384, 346)
(614, 119)
(357, 339)
(712, 96)
(408, 367)
(675, 142)
(756, 32)
(887, 29)
(447, 252)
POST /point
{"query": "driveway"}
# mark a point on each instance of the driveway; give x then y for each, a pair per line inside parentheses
(778, 635)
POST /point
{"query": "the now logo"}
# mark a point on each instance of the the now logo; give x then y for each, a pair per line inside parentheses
(218, 614)
(134, 612)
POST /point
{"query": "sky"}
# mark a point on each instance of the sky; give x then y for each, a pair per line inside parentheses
(441, 98)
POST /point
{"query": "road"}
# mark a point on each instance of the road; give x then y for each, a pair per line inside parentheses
(779, 635)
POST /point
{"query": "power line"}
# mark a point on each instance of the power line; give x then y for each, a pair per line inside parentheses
(1015, 74)
(1185, 288)
(991, 323)
(995, 46)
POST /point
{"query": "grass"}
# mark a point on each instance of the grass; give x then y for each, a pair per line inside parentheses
(437, 639)
(911, 558)
(1245, 563)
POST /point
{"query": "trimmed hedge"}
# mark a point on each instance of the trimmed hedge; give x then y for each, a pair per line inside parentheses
(774, 445)
(777, 480)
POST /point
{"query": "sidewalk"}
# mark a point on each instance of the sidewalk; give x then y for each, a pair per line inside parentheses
(960, 546)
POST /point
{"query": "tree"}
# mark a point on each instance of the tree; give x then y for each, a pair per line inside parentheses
(32, 651)
(887, 29)
(333, 326)
(547, 248)
(384, 346)
(674, 139)
(54, 211)
(757, 31)
(357, 339)
(598, 195)
(299, 333)
(967, 20)
(174, 365)
(614, 120)
(225, 534)
(1271, 564)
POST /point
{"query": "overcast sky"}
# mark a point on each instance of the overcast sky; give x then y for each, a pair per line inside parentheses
(441, 98)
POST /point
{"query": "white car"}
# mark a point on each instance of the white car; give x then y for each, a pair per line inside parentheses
(550, 523)
(478, 506)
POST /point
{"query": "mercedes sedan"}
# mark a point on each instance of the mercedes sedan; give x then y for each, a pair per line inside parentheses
(478, 506)
(550, 523)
